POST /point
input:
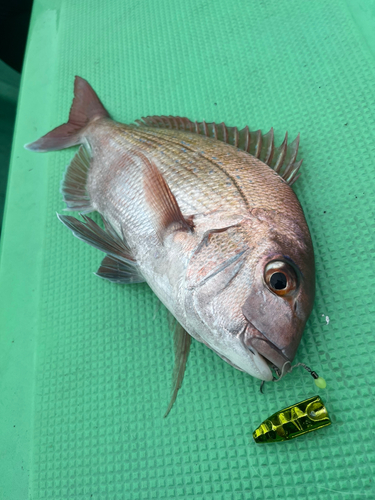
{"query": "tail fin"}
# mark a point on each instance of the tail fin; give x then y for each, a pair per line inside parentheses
(85, 108)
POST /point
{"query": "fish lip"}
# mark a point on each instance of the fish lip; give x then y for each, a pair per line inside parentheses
(254, 339)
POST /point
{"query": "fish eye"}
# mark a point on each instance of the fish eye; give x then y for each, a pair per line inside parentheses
(280, 277)
(278, 281)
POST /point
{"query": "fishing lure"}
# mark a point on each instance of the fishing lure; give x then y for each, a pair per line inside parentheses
(293, 421)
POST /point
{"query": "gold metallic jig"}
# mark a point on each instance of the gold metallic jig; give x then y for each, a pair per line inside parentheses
(291, 422)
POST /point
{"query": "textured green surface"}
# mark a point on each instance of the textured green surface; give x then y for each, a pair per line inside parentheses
(85, 364)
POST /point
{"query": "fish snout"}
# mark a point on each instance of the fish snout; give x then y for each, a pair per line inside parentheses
(276, 319)
(275, 334)
(254, 339)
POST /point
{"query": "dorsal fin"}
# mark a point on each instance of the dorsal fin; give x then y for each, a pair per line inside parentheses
(281, 159)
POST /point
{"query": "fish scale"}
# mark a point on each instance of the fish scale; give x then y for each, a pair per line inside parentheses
(258, 181)
(180, 177)
(218, 234)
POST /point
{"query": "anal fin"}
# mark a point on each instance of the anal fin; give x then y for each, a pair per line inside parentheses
(73, 187)
(119, 265)
(182, 341)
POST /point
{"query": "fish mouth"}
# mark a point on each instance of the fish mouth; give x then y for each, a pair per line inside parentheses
(254, 339)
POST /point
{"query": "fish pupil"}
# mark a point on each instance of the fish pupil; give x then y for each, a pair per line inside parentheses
(278, 281)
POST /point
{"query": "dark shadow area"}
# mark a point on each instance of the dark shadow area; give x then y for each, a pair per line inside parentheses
(14, 25)
(7, 118)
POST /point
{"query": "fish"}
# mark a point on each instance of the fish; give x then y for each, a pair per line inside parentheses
(206, 216)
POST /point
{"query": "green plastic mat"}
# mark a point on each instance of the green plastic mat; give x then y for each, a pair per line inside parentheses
(85, 364)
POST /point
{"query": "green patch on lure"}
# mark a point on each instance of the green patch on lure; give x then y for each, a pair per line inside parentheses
(300, 418)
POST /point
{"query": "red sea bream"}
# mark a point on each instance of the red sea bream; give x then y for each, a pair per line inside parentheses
(206, 216)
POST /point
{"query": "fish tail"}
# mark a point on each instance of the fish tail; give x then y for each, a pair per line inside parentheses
(86, 107)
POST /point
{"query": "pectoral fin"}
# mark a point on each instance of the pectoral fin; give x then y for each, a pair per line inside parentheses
(119, 265)
(118, 271)
(182, 341)
(162, 200)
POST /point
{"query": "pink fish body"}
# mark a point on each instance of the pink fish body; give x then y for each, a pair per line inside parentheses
(199, 212)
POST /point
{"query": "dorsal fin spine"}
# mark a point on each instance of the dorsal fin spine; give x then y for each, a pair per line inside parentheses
(281, 159)
(293, 175)
(214, 128)
(258, 144)
(294, 150)
(268, 146)
(225, 132)
(247, 144)
(182, 123)
(281, 154)
(236, 137)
